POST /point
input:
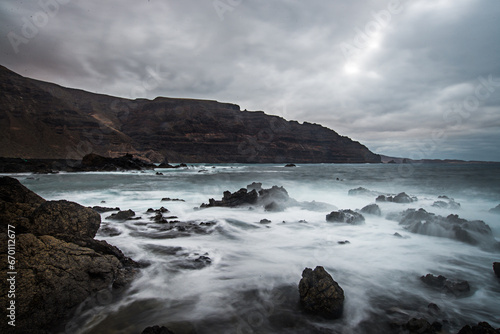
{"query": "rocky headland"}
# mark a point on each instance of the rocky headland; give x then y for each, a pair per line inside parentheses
(41, 120)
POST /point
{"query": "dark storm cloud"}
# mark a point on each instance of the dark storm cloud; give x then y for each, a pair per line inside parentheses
(385, 73)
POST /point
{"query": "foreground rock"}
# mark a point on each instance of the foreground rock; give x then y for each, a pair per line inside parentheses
(459, 288)
(474, 232)
(59, 264)
(345, 216)
(320, 294)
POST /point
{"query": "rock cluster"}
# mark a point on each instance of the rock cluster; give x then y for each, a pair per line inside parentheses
(58, 263)
(345, 216)
(320, 294)
(475, 232)
(459, 288)
(399, 198)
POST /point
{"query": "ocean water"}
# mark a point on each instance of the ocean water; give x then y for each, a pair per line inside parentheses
(250, 282)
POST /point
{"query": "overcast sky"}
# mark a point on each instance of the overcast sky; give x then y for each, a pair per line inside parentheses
(417, 79)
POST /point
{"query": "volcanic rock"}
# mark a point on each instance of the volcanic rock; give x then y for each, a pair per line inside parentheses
(122, 215)
(480, 328)
(95, 162)
(58, 263)
(496, 209)
(320, 294)
(345, 216)
(474, 232)
(496, 268)
(372, 209)
(455, 287)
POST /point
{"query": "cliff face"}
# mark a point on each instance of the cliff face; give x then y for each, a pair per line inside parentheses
(44, 120)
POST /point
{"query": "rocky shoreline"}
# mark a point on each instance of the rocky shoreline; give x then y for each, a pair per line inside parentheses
(61, 269)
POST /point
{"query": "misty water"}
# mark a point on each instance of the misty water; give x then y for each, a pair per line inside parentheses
(241, 276)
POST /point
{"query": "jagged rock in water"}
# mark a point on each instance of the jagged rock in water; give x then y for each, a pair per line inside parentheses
(474, 232)
(480, 328)
(496, 268)
(345, 216)
(372, 209)
(290, 165)
(445, 202)
(59, 264)
(103, 209)
(320, 294)
(402, 198)
(157, 330)
(122, 215)
(458, 288)
(360, 191)
(496, 209)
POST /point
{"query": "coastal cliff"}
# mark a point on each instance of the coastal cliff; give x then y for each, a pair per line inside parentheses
(40, 120)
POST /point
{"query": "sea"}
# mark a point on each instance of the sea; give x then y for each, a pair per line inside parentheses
(236, 274)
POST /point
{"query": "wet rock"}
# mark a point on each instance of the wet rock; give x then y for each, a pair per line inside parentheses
(122, 215)
(480, 328)
(419, 326)
(344, 242)
(158, 173)
(109, 231)
(396, 234)
(360, 191)
(254, 186)
(320, 294)
(372, 209)
(402, 198)
(496, 268)
(238, 198)
(446, 203)
(383, 198)
(290, 165)
(59, 264)
(168, 199)
(103, 209)
(496, 209)
(265, 221)
(157, 330)
(345, 216)
(458, 288)
(474, 232)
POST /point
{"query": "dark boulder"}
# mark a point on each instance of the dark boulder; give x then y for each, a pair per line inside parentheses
(418, 326)
(480, 328)
(59, 264)
(320, 294)
(459, 288)
(496, 268)
(157, 330)
(290, 165)
(372, 209)
(122, 215)
(383, 198)
(402, 198)
(474, 232)
(496, 209)
(345, 216)
(360, 191)
(445, 202)
(64, 218)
